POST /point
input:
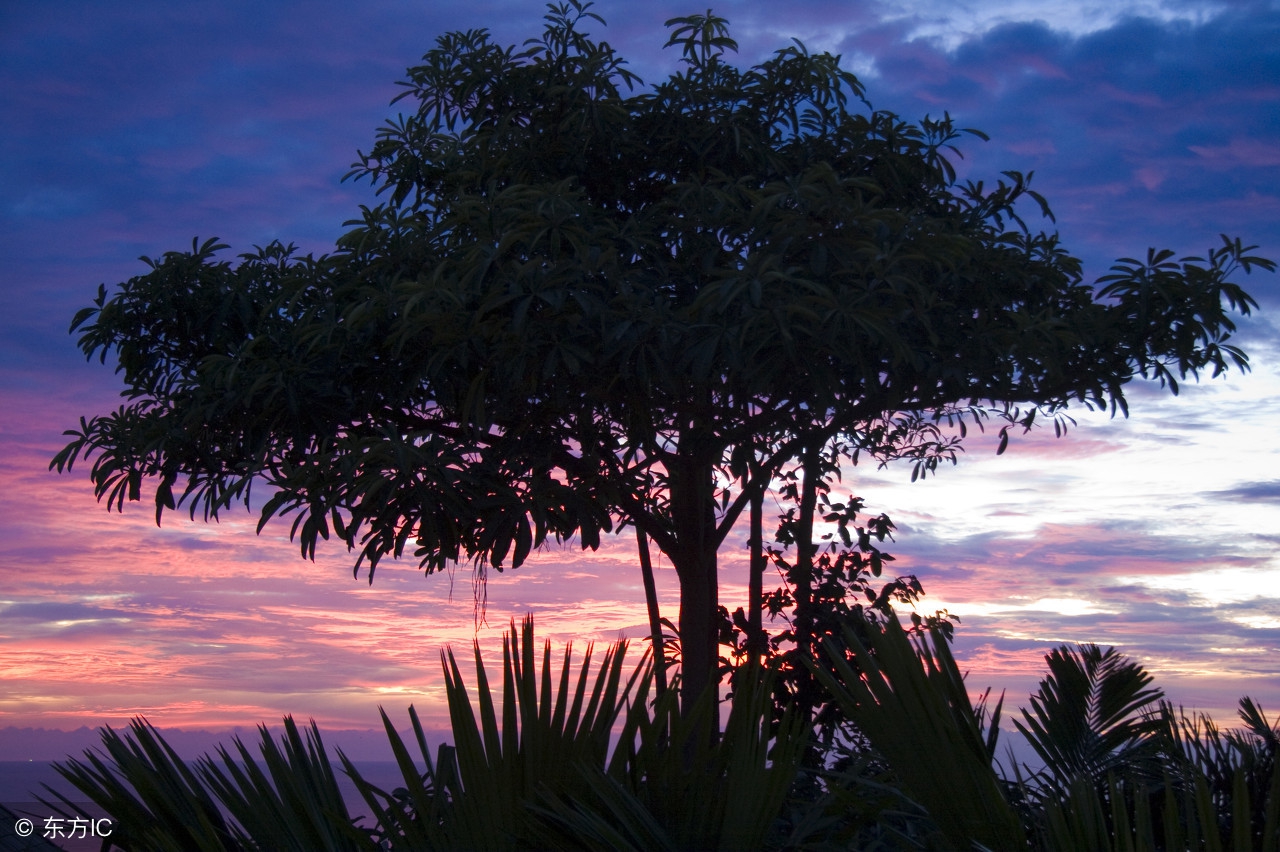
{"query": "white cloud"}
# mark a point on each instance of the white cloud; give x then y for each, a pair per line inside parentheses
(951, 23)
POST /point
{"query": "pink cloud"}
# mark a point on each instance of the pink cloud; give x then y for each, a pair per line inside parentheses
(1150, 177)
(1033, 147)
(106, 616)
(1239, 153)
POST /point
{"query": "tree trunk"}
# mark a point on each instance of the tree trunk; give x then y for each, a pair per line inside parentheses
(803, 574)
(805, 548)
(655, 616)
(693, 507)
(755, 585)
(699, 637)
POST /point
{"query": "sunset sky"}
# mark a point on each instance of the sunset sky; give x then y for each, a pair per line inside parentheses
(129, 129)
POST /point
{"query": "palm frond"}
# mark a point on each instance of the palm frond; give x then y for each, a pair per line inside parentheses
(156, 801)
(533, 744)
(292, 802)
(910, 702)
(1086, 718)
(668, 786)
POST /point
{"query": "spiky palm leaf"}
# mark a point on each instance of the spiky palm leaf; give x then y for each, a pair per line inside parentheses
(1087, 720)
(1232, 775)
(412, 816)
(1176, 814)
(911, 703)
(536, 771)
(156, 801)
(292, 802)
(478, 793)
(669, 787)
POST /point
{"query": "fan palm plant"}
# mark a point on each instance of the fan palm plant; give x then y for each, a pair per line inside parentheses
(560, 761)
(589, 761)
(545, 777)
(1088, 718)
(477, 794)
(1179, 813)
(670, 787)
(1232, 776)
(158, 802)
(292, 802)
(1112, 782)
(909, 699)
(540, 741)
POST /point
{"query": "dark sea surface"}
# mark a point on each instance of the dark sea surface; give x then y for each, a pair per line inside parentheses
(21, 783)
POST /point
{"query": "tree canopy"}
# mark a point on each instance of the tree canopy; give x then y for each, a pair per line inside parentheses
(585, 304)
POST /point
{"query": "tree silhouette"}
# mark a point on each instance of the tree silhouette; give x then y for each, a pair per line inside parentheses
(584, 305)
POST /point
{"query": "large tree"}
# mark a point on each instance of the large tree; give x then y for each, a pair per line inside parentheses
(584, 305)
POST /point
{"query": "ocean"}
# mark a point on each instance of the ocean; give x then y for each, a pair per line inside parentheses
(21, 783)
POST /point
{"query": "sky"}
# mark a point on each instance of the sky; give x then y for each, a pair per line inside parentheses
(130, 129)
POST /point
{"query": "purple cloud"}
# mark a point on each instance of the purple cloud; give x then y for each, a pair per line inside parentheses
(1251, 492)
